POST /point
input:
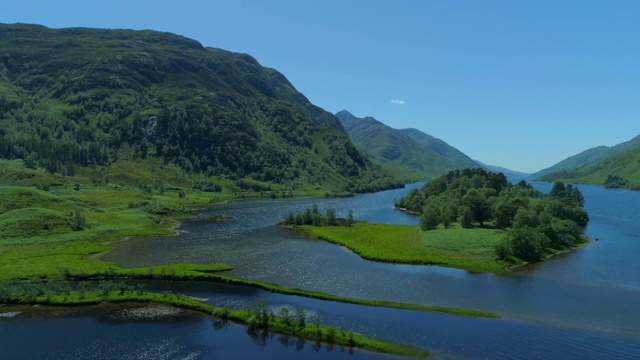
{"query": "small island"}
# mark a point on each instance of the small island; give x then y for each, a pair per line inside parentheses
(469, 219)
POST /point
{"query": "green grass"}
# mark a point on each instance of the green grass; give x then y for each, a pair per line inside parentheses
(469, 249)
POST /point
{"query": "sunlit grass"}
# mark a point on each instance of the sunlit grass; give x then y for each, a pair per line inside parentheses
(469, 249)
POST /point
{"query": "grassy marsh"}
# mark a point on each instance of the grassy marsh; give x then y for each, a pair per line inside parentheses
(469, 249)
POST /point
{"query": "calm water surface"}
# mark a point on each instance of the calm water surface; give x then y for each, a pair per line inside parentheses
(585, 304)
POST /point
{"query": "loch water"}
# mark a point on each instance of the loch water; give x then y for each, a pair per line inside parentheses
(581, 305)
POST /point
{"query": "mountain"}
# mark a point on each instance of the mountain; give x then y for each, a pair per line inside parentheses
(78, 98)
(616, 171)
(408, 153)
(511, 174)
(585, 159)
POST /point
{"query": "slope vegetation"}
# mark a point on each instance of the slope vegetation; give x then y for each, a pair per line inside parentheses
(408, 153)
(617, 171)
(84, 98)
(575, 166)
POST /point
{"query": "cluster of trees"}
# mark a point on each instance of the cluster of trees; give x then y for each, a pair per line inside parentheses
(474, 197)
(615, 182)
(26, 292)
(312, 216)
(207, 186)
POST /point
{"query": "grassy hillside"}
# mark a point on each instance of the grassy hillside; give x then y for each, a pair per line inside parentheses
(618, 171)
(409, 153)
(576, 163)
(78, 99)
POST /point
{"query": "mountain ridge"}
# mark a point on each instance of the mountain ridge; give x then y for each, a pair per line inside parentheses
(613, 167)
(78, 97)
(512, 174)
(409, 153)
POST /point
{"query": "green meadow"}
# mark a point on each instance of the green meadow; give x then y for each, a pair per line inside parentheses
(469, 249)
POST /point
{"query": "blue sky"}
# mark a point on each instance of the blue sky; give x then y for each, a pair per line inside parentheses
(520, 84)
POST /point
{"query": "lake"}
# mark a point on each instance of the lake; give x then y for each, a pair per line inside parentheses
(583, 304)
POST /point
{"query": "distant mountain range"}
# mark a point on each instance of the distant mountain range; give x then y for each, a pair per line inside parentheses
(80, 98)
(511, 174)
(616, 166)
(409, 154)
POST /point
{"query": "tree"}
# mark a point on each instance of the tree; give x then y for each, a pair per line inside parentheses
(527, 243)
(350, 220)
(307, 217)
(331, 216)
(430, 217)
(558, 191)
(79, 220)
(480, 206)
(301, 317)
(290, 219)
(465, 217)
(317, 219)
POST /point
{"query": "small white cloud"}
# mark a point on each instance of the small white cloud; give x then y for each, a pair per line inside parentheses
(398, 102)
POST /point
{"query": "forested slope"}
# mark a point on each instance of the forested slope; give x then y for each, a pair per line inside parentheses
(76, 98)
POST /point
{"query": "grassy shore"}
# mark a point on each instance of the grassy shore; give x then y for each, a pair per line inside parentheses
(52, 227)
(200, 272)
(265, 321)
(468, 249)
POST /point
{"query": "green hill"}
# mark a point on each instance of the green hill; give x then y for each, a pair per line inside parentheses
(576, 164)
(617, 171)
(408, 153)
(77, 98)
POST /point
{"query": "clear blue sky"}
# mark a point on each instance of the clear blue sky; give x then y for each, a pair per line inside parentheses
(520, 84)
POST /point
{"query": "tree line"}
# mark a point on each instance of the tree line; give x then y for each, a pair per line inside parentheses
(312, 216)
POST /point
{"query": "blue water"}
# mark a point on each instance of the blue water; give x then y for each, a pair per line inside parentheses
(580, 305)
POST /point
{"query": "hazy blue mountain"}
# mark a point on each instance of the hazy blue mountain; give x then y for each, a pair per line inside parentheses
(408, 153)
(512, 174)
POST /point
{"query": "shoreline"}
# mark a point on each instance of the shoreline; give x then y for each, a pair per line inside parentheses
(279, 325)
(100, 255)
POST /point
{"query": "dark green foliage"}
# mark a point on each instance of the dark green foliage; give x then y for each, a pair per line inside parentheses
(479, 204)
(207, 186)
(430, 217)
(79, 221)
(164, 208)
(312, 216)
(87, 97)
(331, 216)
(527, 243)
(615, 182)
(350, 218)
(466, 217)
(535, 222)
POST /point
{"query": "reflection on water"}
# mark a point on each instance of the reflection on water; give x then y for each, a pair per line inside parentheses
(99, 332)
